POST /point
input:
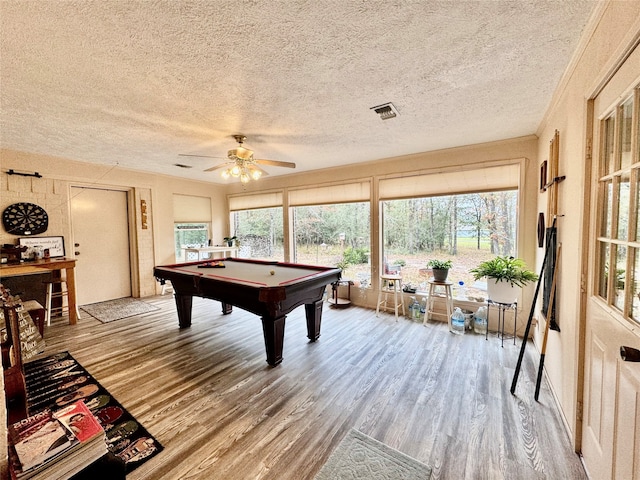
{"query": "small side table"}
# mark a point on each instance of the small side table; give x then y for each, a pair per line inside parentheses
(336, 301)
(502, 308)
(448, 299)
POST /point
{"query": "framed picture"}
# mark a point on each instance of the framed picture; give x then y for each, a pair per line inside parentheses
(543, 176)
(55, 245)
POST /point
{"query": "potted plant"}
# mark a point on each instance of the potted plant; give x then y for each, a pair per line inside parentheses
(230, 240)
(440, 269)
(503, 275)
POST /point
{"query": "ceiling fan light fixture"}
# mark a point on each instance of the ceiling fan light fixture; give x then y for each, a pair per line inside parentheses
(244, 177)
(235, 171)
(244, 153)
(226, 174)
(256, 174)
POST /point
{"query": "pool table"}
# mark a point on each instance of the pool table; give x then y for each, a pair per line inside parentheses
(268, 289)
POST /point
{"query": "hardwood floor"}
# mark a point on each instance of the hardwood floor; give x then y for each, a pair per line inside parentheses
(207, 394)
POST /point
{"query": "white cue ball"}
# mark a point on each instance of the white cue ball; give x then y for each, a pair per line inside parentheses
(272, 272)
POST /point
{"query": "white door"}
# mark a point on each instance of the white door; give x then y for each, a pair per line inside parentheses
(611, 416)
(100, 225)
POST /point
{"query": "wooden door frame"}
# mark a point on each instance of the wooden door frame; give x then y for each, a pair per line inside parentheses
(131, 224)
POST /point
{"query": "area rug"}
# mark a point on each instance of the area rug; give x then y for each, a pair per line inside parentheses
(358, 456)
(58, 380)
(117, 309)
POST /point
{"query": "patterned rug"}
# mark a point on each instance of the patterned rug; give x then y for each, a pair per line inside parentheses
(358, 456)
(58, 380)
(117, 309)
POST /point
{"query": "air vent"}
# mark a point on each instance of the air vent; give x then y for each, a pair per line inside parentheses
(386, 111)
(181, 165)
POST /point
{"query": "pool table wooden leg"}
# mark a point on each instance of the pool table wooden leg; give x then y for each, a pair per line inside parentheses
(273, 338)
(184, 304)
(314, 317)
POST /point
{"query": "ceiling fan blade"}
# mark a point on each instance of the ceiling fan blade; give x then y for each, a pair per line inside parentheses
(275, 163)
(199, 156)
(218, 166)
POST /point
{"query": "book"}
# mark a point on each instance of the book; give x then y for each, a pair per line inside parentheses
(39, 438)
(39, 453)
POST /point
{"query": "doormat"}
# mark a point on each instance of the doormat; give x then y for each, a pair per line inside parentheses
(59, 380)
(359, 456)
(117, 309)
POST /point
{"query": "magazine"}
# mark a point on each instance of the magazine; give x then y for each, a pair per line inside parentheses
(56, 444)
(40, 438)
(79, 419)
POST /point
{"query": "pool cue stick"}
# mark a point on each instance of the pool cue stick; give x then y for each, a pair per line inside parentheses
(533, 309)
(546, 327)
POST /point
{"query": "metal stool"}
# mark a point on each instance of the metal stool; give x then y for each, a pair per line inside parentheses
(390, 283)
(61, 293)
(448, 300)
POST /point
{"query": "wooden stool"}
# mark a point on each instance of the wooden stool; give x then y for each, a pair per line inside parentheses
(166, 284)
(390, 283)
(446, 294)
(62, 294)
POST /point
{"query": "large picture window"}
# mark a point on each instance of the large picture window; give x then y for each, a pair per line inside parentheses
(259, 233)
(466, 229)
(335, 235)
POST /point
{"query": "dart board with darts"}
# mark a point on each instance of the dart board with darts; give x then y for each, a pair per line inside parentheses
(25, 219)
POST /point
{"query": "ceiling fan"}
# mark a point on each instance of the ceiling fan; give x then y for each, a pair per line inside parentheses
(241, 163)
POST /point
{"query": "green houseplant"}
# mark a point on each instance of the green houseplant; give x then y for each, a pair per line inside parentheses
(230, 240)
(503, 275)
(440, 269)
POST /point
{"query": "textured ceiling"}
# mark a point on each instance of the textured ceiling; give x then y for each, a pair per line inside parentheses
(135, 83)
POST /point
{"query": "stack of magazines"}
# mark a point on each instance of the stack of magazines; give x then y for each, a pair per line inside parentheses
(56, 444)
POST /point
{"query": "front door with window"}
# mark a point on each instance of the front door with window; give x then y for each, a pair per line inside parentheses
(611, 416)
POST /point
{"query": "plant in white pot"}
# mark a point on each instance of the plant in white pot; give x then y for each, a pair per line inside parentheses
(440, 269)
(504, 275)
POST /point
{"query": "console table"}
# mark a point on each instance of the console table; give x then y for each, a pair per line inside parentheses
(199, 251)
(55, 265)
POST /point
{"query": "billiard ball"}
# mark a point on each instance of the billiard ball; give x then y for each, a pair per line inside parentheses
(272, 272)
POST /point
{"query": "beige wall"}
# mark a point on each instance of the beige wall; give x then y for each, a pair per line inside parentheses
(152, 246)
(610, 33)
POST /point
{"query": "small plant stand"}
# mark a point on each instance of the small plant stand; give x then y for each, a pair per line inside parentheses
(336, 301)
(502, 308)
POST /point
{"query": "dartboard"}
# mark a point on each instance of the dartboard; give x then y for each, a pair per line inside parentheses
(25, 219)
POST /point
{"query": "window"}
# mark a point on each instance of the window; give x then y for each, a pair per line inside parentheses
(190, 235)
(260, 233)
(335, 235)
(619, 191)
(465, 228)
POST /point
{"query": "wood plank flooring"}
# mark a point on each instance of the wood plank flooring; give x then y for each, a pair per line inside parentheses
(207, 394)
